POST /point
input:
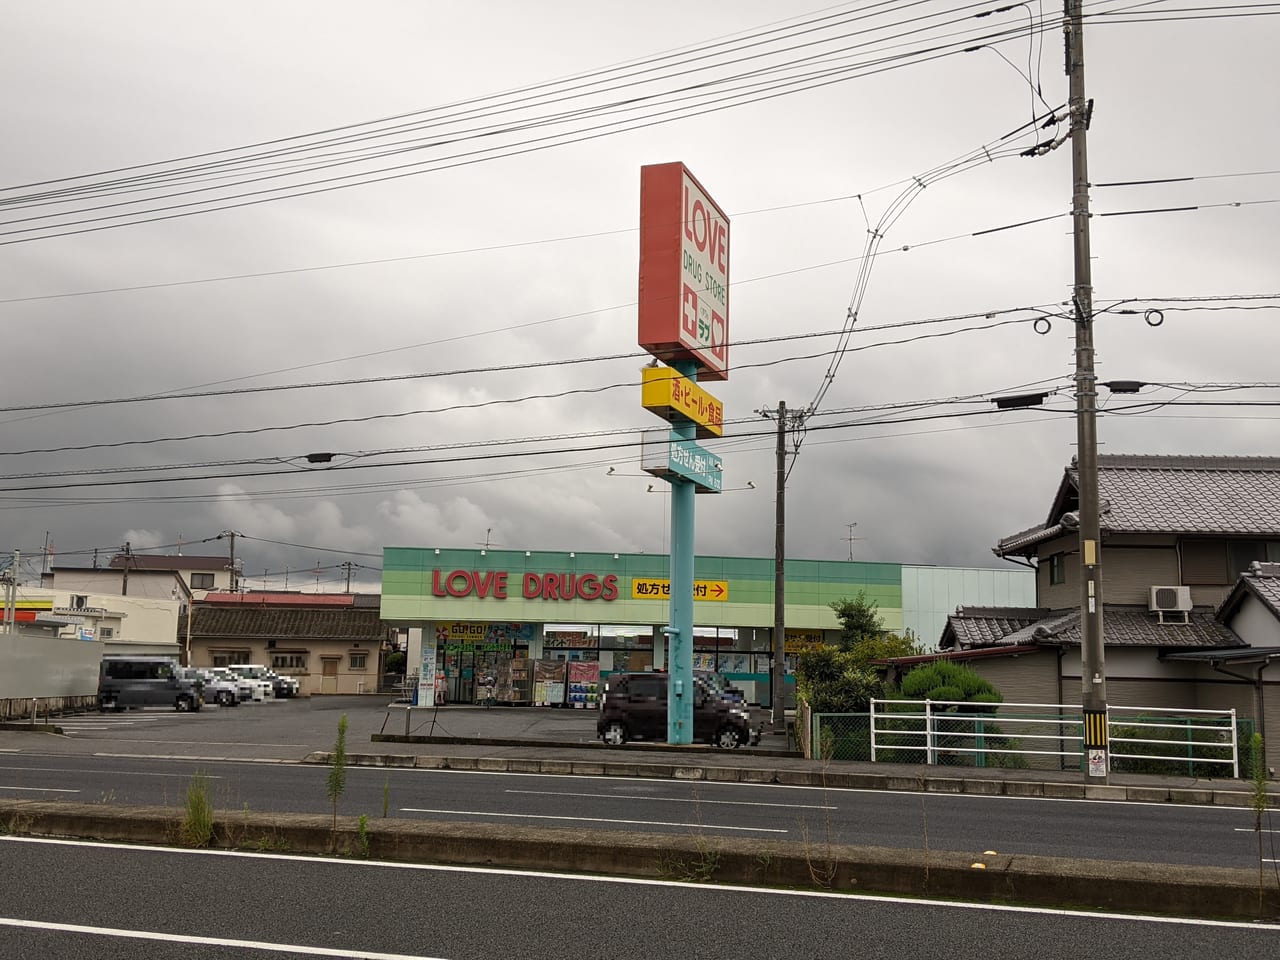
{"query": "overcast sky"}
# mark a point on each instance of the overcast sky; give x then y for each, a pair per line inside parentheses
(496, 242)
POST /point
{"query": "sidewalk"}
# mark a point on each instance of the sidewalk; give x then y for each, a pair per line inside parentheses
(541, 740)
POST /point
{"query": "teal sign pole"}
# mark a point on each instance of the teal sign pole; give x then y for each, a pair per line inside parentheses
(680, 632)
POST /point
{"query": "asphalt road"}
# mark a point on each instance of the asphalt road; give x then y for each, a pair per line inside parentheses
(1175, 834)
(68, 900)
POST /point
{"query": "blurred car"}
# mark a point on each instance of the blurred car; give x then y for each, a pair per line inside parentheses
(216, 689)
(263, 689)
(634, 707)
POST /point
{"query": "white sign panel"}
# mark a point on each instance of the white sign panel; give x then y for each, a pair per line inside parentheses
(704, 275)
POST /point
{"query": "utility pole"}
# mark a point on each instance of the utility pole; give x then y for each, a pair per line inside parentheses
(11, 596)
(231, 534)
(128, 556)
(778, 691)
(1093, 686)
(348, 564)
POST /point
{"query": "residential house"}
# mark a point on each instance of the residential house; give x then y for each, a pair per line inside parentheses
(173, 577)
(332, 643)
(1177, 534)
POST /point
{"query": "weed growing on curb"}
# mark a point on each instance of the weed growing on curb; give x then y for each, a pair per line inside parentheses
(337, 781)
(700, 868)
(1258, 803)
(16, 825)
(386, 796)
(197, 822)
(362, 837)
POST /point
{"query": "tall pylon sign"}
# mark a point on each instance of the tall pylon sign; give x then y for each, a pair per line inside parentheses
(684, 323)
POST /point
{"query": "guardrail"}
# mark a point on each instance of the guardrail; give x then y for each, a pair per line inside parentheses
(949, 732)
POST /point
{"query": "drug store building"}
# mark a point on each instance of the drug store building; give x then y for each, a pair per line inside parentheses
(548, 625)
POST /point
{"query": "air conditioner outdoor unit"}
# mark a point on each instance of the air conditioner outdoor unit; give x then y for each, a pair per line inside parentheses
(1170, 600)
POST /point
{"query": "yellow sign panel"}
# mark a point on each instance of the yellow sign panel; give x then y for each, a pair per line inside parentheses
(668, 394)
(796, 640)
(651, 588)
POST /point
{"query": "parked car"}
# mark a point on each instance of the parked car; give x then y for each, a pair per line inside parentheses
(263, 689)
(216, 689)
(244, 686)
(634, 707)
(283, 685)
(140, 681)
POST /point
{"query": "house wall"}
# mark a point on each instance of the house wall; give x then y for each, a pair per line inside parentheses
(1255, 624)
(1128, 573)
(1025, 678)
(314, 654)
(154, 586)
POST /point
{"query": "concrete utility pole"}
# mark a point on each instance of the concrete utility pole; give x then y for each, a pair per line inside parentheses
(11, 596)
(1093, 684)
(231, 534)
(777, 693)
(348, 564)
(128, 557)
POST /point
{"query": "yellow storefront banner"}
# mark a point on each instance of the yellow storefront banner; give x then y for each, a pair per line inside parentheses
(653, 588)
(796, 640)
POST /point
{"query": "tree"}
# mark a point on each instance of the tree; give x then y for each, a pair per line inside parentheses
(862, 633)
(859, 619)
(832, 681)
(395, 662)
(947, 680)
(957, 740)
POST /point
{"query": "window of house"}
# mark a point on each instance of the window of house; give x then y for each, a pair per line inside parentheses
(106, 633)
(358, 661)
(1241, 553)
(227, 658)
(289, 661)
(202, 581)
(1057, 569)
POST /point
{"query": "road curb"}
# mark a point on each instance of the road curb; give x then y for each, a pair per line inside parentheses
(816, 778)
(1207, 892)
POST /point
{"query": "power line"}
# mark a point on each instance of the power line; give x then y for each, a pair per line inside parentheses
(749, 94)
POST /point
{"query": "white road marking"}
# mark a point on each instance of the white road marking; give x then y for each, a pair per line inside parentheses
(40, 789)
(1251, 830)
(114, 773)
(207, 941)
(340, 864)
(203, 743)
(932, 795)
(623, 796)
(637, 823)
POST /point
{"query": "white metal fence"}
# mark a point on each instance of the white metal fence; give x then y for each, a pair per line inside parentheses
(1038, 734)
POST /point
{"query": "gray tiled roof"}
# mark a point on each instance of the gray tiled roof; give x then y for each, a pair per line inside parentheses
(1132, 627)
(1263, 580)
(971, 627)
(1122, 626)
(1237, 496)
(349, 623)
(1232, 495)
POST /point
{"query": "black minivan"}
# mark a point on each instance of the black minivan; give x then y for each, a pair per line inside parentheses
(634, 707)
